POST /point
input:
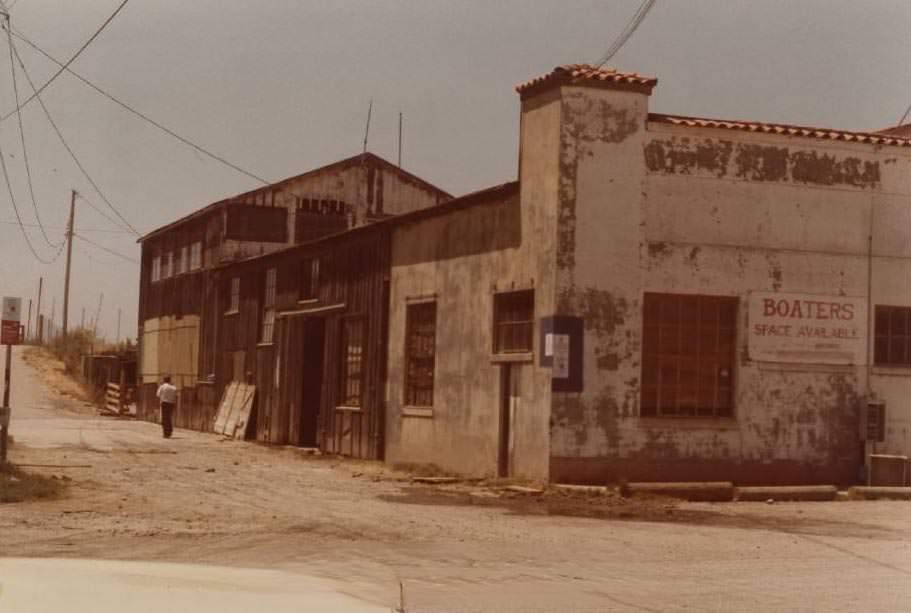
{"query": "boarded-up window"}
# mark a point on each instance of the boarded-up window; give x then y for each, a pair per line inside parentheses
(234, 296)
(268, 315)
(513, 321)
(309, 279)
(156, 268)
(420, 353)
(688, 355)
(352, 372)
(196, 255)
(893, 336)
(256, 223)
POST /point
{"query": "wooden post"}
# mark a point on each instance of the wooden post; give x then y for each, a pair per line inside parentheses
(5, 411)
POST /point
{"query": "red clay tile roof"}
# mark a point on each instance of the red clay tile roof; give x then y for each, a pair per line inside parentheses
(872, 138)
(902, 131)
(585, 74)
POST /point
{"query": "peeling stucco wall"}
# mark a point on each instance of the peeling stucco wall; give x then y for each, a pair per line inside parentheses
(653, 207)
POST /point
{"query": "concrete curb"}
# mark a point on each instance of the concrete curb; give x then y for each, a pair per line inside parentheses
(588, 490)
(795, 493)
(707, 491)
(879, 493)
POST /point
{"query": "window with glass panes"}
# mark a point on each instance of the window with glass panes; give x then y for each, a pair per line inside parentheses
(688, 353)
(513, 321)
(196, 255)
(352, 372)
(234, 296)
(309, 279)
(892, 334)
(420, 353)
(268, 315)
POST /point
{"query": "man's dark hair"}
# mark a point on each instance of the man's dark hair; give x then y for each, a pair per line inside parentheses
(167, 379)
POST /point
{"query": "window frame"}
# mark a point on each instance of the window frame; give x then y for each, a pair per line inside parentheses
(181, 261)
(155, 273)
(233, 296)
(309, 279)
(885, 341)
(349, 380)
(195, 256)
(167, 265)
(689, 356)
(526, 325)
(267, 312)
(412, 391)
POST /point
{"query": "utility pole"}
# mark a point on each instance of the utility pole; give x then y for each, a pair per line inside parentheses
(97, 315)
(69, 256)
(82, 324)
(38, 313)
(118, 326)
(28, 325)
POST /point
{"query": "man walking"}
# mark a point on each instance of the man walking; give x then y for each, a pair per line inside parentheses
(167, 395)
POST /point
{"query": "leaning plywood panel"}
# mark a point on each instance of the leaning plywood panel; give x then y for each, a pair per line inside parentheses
(244, 408)
(224, 408)
(243, 395)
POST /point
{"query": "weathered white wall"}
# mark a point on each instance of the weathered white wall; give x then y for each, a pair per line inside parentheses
(463, 258)
(653, 207)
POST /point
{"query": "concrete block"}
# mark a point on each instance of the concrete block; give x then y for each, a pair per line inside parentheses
(701, 491)
(786, 493)
(520, 489)
(880, 493)
(434, 480)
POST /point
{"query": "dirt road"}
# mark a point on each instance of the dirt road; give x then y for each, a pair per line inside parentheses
(197, 499)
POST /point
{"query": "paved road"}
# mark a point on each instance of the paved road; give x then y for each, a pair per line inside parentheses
(198, 501)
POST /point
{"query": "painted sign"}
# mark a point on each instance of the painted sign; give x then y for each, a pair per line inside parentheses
(807, 328)
(9, 326)
(12, 308)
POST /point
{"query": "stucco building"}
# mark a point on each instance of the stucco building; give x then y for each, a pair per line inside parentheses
(656, 298)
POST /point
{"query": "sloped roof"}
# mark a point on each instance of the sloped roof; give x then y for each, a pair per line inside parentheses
(873, 138)
(586, 74)
(347, 162)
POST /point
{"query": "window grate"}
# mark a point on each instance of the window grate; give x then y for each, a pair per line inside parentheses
(420, 353)
(352, 374)
(268, 321)
(892, 336)
(514, 319)
(688, 352)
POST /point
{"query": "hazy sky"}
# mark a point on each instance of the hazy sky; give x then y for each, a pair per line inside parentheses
(282, 86)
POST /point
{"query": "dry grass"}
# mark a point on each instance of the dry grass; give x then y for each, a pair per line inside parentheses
(52, 372)
(17, 485)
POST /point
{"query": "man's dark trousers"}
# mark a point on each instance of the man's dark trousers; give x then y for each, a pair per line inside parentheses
(167, 415)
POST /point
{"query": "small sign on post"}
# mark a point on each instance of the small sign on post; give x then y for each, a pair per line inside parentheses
(9, 336)
(10, 325)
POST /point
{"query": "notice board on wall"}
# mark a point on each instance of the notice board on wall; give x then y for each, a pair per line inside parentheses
(807, 328)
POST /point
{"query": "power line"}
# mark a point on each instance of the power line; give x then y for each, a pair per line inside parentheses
(103, 248)
(141, 115)
(28, 170)
(65, 65)
(72, 153)
(905, 116)
(627, 32)
(33, 225)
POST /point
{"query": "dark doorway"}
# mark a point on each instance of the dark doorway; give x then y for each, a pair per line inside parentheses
(312, 380)
(509, 393)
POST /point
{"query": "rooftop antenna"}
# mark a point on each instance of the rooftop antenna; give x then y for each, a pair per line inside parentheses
(400, 139)
(367, 131)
